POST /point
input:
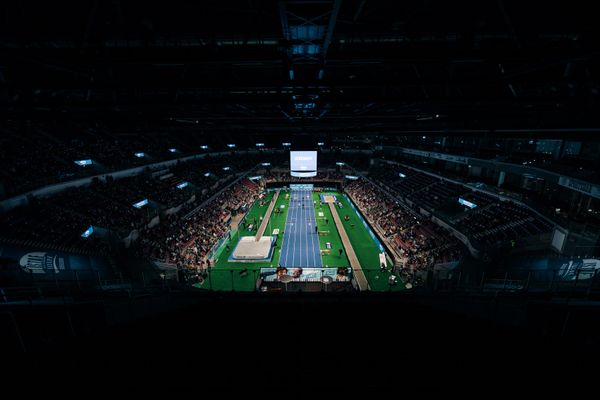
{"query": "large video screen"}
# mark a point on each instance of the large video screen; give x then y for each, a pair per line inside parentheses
(303, 164)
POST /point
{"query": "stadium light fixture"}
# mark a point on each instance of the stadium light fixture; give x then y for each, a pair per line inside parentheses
(321, 144)
(260, 145)
(402, 175)
(183, 185)
(83, 163)
(207, 174)
(173, 150)
(286, 144)
(204, 147)
(141, 204)
(266, 164)
(140, 155)
(88, 232)
(467, 203)
(226, 168)
(231, 145)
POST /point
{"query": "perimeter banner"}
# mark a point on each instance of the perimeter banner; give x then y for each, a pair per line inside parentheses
(49, 264)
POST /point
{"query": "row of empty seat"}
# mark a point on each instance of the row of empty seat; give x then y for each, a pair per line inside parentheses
(491, 223)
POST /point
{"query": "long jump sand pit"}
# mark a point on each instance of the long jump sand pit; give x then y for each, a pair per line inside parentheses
(328, 198)
(249, 249)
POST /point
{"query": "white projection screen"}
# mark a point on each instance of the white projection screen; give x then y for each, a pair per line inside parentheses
(303, 164)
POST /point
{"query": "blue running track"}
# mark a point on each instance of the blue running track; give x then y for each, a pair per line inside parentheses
(300, 241)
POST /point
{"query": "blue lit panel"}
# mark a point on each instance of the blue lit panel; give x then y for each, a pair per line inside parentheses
(260, 145)
(207, 174)
(572, 148)
(286, 144)
(140, 155)
(83, 163)
(266, 164)
(306, 32)
(306, 49)
(183, 185)
(321, 144)
(304, 106)
(226, 168)
(466, 203)
(173, 150)
(141, 204)
(231, 145)
(548, 146)
(351, 177)
(88, 232)
(402, 175)
(204, 147)
(340, 164)
(255, 178)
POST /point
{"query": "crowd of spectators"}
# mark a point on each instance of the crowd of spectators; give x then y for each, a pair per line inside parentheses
(187, 241)
(48, 226)
(108, 205)
(492, 222)
(420, 243)
(33, 155)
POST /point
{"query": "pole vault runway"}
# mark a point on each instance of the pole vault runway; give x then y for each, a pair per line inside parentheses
(300, 240)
